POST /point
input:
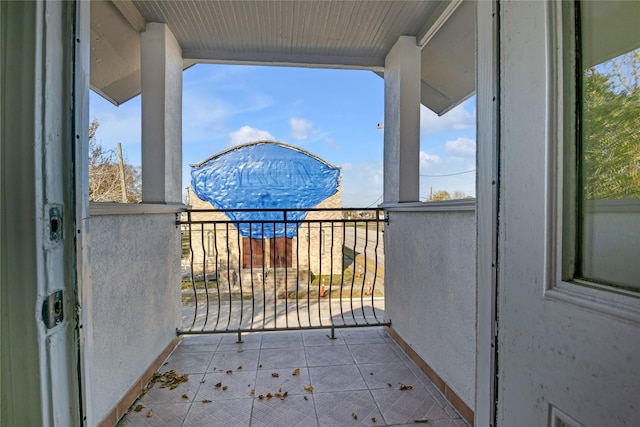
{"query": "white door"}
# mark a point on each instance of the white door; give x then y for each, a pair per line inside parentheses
(39, 363)
(568, 270)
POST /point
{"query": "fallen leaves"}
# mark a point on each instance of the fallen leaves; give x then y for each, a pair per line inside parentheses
(206, 401)
(296, 371)
(150, 413)
(405, 387)
(354, 415)
(421, 421)
(275, 375)
(239, 368)
(184, 396)
(138, 408)
(374, 420)
(309, 389)
(229, 372)
(170, 379)
(219, 385)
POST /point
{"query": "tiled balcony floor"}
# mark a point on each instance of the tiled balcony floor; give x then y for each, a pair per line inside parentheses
(356, 380)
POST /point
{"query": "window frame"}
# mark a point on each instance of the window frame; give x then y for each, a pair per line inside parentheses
(564, 195)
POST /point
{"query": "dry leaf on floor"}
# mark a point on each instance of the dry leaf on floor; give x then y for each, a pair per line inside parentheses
(269, 395)
(138, 408)
(309, 389)
(390, 385)
(252, 392)
(354, 416)
(405, 387)
(305, 397)
(423, 421)
(224, 388)
(239, 368)
(206, 401)
(275, 375)
(296, 371)
(261, 397)
(373, 420)
(150, 414)
(184, 396)
(218, 385)
(170, 379)
(229, 372)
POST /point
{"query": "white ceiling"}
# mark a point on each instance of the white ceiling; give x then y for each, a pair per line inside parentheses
(332, 34)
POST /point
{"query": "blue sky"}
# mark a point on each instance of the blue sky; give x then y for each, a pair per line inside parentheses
(331, 113)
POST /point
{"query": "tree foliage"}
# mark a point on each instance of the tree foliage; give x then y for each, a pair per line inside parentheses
(611, 129)
(104, 173)
(445, 195)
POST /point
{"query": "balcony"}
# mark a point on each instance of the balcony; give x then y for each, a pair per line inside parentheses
(395, 321)
(296, 378)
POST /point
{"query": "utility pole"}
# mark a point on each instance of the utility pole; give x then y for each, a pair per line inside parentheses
(123, 186)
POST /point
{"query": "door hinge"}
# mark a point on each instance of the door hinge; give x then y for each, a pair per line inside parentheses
(53, 309)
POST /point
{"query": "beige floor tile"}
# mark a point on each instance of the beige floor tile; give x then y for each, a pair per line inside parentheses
(282, 358)
(223, 413)
(188, 363)
(328, 356)
(403, 407)
(347, 408)
(336, 378)
(238, 360)
(237, 385)
(282, 380)
(165, 415)
(387, 375)
(373, 353)
(292, 411)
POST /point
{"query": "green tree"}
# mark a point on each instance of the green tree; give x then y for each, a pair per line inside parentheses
(445, 195)
(438, 196)
(611, 129)
(104, 173)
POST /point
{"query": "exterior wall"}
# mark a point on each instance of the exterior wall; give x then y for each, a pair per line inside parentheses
(136, 299)
(229, 254)
(430, 265)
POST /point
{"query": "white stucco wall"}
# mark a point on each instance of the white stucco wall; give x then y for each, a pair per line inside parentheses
(135, 270)
(430, 266)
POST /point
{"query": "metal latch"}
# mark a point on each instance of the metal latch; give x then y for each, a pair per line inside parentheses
(53, 309)
(55, 224)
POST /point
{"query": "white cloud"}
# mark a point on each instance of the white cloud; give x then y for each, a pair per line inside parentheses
(462, 146)
(332, 143)
(457, 119)
(248, 134)
(300, 128)
(427, 160)
(362, 184)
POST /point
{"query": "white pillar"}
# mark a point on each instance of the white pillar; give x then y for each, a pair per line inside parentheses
(402, 122)
(161, 79)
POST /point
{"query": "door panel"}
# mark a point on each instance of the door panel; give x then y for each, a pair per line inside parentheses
(565, 356)
(281, 256)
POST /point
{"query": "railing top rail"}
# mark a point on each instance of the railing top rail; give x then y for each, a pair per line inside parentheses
(285, 210)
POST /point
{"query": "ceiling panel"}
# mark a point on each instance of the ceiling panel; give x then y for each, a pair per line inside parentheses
(334, 34)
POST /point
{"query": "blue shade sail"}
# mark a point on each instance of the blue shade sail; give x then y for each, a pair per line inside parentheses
(265, 175)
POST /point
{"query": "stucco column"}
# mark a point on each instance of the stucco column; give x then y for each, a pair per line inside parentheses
(402, 122)
(161, 78)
